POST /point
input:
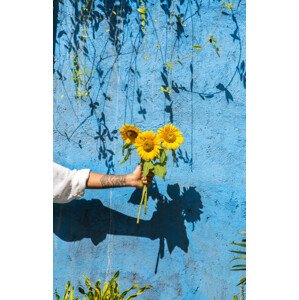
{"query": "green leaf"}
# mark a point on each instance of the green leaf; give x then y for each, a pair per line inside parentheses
(140, 291)
(87, 281)
(126, 156)
(242, 266)
(197, 48)
(97, 292)
(165, 89)
(229, 5)
(239, 252)
(57, 296)
(90, 295)
(72, 293)
(160, 170)
(124, 147)
(98, 283)
(239, 258)
(133, 287)
(239, 269)
(81, 290)
(242, 281)
(147, 167)
(142, 9)
(116, 289)
(237, 266)
(169, 65)
(105, 290)
(115, 276)
(238, 244)
(67, 287)
(132, 297)
(163, 156)
(235, 297)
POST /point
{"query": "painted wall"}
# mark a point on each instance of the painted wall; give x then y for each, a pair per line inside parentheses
(182, 245)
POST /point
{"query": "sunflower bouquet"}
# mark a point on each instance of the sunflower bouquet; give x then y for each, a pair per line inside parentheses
(153, 149)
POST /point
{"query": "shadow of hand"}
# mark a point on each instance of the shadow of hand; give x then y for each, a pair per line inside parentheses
(91, 219)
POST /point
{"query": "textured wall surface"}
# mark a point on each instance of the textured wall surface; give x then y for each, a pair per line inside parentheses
(109, 69)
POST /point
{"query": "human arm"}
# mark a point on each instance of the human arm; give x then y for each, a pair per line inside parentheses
(102, 181)
(71, 184)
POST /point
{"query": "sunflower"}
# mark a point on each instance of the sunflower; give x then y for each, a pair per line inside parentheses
(148, 145)
(129, 133)
(171, 137)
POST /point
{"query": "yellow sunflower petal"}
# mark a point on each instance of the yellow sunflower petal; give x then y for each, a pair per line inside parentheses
(129, 133)
(170, 136)
(148, 145)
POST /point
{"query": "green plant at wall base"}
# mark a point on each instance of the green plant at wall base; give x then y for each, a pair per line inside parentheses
(109, 291)
(242, 266)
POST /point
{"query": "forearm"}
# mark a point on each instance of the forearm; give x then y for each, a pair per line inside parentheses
(102, 181)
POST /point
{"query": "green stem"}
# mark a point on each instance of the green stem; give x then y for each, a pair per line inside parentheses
(141, 202)
(145, 198)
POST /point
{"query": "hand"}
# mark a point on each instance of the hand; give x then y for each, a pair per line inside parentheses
(137, 180)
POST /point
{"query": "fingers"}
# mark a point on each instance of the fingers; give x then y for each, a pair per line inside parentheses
(138, 170)
(138, 180)
(148, 179)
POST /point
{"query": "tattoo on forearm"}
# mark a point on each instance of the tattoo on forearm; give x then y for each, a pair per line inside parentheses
(107, 181)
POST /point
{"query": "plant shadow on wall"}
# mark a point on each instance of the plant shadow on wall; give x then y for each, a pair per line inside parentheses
(94, 38)
(91, 219)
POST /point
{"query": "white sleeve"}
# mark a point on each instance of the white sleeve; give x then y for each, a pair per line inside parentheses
(68, 184)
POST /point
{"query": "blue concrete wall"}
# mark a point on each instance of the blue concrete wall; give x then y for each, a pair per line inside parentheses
(181, 246)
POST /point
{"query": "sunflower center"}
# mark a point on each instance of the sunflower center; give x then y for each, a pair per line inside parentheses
(148, 145)
(131, 134)
(170, 138)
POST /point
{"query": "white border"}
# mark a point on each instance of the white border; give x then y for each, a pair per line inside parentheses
(272, 148)
(26, 149)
